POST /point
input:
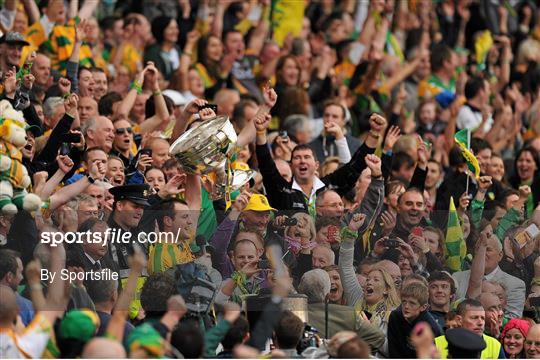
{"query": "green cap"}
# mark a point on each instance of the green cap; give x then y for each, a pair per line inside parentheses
(80, 324)
(147, 338)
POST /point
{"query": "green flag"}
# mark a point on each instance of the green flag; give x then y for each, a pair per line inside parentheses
(463, 139)
(456, 249)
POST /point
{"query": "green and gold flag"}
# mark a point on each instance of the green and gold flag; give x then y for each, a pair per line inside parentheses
(463, 139)
(456, 249)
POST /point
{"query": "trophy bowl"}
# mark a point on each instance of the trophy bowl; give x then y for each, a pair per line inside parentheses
(203, 148)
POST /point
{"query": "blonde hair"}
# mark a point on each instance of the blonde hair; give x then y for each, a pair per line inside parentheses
(329, 160)
(392, 299)
(305, 221)
(405, 143)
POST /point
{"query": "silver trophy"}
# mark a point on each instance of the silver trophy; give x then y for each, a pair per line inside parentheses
(205, 150)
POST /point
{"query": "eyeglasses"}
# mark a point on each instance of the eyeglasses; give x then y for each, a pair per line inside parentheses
(120, 131)
(532, 343)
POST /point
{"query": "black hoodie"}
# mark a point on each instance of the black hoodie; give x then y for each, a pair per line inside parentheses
(399, 332)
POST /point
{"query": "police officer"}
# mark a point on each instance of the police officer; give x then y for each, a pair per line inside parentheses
(128, 208)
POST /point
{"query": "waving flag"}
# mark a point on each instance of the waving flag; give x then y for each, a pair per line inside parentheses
(463, 139)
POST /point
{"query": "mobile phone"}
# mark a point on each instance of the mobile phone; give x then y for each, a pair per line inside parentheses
(145, 152)
(523, 237)
(264, 264)
(65, 148)
(391, 243)
(417, 231)
(209, 106)
(290, 222)
(71, 138)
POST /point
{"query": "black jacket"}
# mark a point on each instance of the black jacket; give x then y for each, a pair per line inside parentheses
(280, 193)
(399, 332)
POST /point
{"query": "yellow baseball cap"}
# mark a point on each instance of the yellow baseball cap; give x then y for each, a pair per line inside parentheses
(239, 165)
(258, 202)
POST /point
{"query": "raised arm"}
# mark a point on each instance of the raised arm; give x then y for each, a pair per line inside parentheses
(32, 10)
(162, 113)
(182, 123)
(65, 194)
(248, 133)
(351, 286)
(88, 8)
(259, 34)
(126, 105)
(137, 263)
(478, 265)
(65, 164)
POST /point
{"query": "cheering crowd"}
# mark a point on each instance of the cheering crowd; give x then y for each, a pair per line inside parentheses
(393, 154)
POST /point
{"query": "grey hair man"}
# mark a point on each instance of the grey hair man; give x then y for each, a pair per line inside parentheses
(298, 127)
(330, 319)
(99, 132)
(315, 284)
(53, 111)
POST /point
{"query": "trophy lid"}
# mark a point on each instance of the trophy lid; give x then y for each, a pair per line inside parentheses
(198, 137)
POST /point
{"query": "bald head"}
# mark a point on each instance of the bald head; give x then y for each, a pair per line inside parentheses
(391, 268)
(99, 132)
(103, 348)
(532, 351)
(9, 308)
(41, 69)
(226, 99)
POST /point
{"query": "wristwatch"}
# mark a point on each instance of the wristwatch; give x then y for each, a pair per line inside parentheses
(90, 179)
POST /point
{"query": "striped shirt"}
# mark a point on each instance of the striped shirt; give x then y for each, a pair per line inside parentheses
(164, 256)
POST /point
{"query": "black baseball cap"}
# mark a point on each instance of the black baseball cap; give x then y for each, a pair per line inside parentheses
(13, 38)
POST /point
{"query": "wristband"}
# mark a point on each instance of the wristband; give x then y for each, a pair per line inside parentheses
(261, 132)
(137, 86)
(347, 233)
(157, 93)
(374, 134)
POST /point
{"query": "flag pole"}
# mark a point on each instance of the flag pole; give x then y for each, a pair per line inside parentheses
(468, 170)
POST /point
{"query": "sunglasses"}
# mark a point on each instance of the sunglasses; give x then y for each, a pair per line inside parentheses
(120, 131)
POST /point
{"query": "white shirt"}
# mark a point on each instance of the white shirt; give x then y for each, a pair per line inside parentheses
(492, 274)
(317, 184)
(92, 260)
(30, 343)
(469, 118)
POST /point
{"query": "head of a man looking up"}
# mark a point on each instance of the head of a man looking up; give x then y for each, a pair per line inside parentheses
(304, 164)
